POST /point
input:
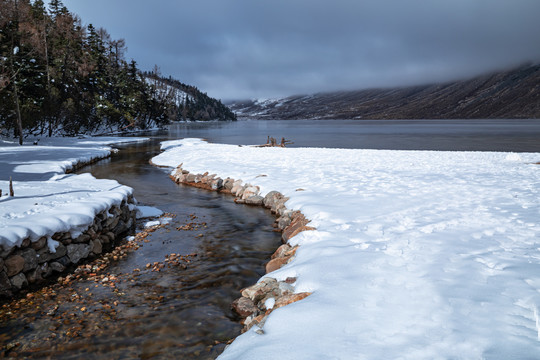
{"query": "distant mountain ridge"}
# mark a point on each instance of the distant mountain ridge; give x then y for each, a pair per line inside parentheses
(512, 94)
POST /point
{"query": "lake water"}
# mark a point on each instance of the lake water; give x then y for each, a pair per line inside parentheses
(451, 135)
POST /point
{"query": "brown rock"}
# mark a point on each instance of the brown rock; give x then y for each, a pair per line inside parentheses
(244, 307)
(83, 238)
(14, 265)
(39, 244)
(34, 276)
(290, 298)
(281, 251)
(258, 320)
(276, 263)
(264, 288)
(271, 198)
(298, 224)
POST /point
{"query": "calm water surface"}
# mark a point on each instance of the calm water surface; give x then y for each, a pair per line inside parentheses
(465, 135)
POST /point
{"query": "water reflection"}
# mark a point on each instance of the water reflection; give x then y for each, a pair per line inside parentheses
(452, 135)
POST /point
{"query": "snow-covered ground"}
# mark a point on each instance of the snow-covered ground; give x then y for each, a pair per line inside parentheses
(46, 199)
(417, 254)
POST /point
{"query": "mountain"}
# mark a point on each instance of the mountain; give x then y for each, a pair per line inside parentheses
(504, 95)
(186, 102)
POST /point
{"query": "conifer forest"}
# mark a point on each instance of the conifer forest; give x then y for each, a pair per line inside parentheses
(58, 77)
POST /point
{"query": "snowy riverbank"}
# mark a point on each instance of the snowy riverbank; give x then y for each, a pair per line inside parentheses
(417, 254)
(51, 209)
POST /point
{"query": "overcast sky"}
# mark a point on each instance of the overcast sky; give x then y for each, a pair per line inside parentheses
(239, 49)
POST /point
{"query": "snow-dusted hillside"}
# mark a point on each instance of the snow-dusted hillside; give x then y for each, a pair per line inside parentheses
(504, 95)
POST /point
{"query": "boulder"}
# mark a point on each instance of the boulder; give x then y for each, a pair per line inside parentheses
(264, 288)
(281, 251)
(254, 200)
(216, 184)
(56, 266)
(34, 276)
(14, 265)
(30, 259)
(297, 225)
(283, 221)
(76, 252)
(39, 244)
(44, 255)
(271, 197)
(18, 281)
(96, 247)
(228, 184)
(275, 264)
(244, 307)
(250, 191)
(83, 238)
(290, 298)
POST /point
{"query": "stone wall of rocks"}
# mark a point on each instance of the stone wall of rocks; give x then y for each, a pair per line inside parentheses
(259, 300)
(33, 263)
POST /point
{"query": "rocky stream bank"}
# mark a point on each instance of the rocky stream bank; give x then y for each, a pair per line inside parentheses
(259, 300)
(35, 262)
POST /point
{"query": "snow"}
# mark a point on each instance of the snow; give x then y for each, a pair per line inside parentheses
(152, 223)
(417, 254)
(148, 211)
(46, 199)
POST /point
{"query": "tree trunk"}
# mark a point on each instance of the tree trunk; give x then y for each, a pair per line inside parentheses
(18, 110)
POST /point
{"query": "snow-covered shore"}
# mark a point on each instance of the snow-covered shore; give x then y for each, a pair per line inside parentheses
(55, 219)
(417, 254)
(46, 199)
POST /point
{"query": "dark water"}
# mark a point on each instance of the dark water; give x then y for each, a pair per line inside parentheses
(181, 311)
(452, 135)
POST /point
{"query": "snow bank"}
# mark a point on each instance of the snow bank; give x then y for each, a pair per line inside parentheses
(417, 254)
(46, 200)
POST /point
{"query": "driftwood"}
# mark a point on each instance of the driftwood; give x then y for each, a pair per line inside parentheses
(272, 142)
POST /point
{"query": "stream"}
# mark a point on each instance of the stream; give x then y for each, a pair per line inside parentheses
(169, 295)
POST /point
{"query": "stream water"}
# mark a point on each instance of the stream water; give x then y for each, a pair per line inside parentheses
(166, 310)
(143, 306)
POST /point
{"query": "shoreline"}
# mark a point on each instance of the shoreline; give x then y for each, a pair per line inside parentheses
(258, 301)
(406, 242)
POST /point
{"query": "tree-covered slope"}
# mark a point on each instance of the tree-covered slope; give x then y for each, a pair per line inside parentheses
(58, 77)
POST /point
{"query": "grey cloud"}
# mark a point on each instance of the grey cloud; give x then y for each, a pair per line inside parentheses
(246, 48)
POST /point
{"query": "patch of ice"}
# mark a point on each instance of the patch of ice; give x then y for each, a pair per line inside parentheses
(147, 211)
